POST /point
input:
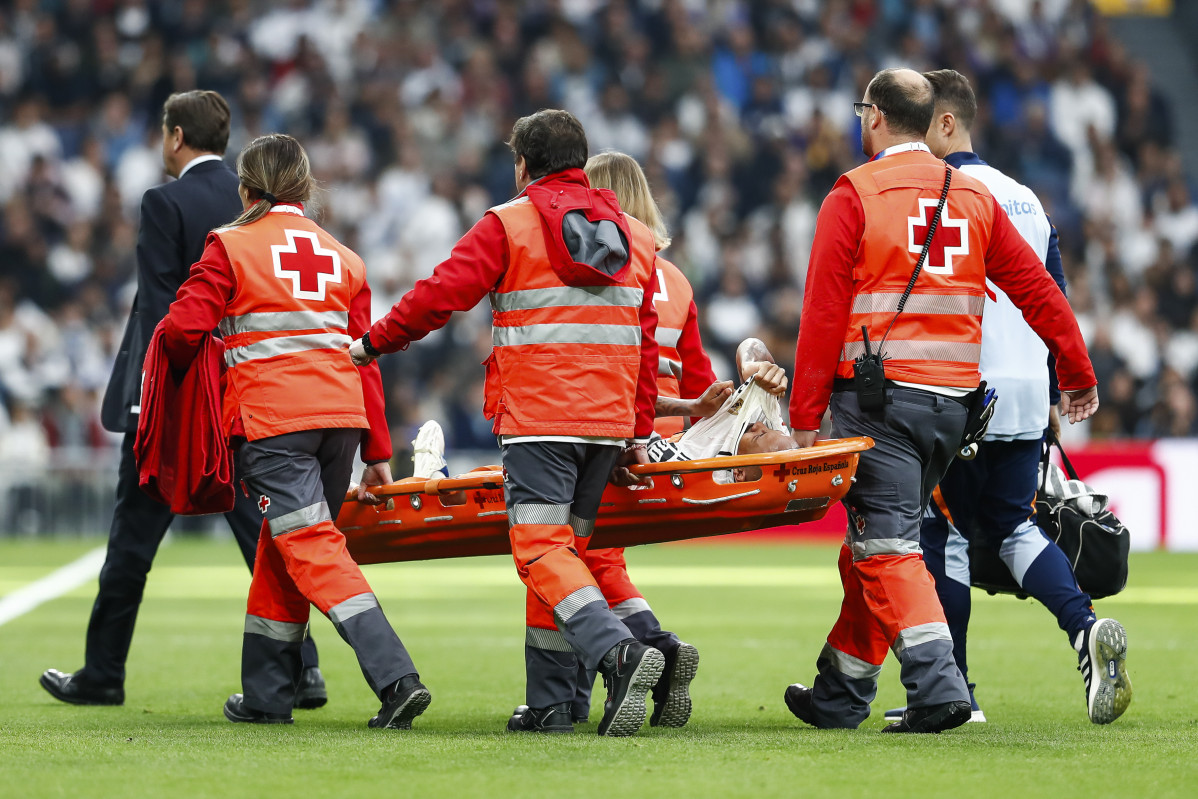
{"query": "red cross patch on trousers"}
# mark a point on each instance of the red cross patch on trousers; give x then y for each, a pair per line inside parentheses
(263, 503)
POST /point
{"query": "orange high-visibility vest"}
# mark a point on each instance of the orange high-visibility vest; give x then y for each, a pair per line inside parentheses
(937, 340)
(672, 301)
(286, 328)
(566, 358)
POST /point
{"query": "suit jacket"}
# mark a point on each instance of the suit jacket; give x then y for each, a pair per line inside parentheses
(175, 220)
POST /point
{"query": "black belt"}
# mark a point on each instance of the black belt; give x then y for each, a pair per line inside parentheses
(919, 395)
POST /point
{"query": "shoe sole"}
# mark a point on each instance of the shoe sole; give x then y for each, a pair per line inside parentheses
(73, 700)
(1110, 689)
(630, 715)
(975, 717)
(412, 707)
(949, 718)
(311, 702)
(242, 720)
(677, 710)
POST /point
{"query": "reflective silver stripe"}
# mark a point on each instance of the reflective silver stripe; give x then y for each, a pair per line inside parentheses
(274, 321)
(286, 345)
(277, 630)
(630, 606)
(538, 513)
(343, 611)
(921, 634)
(663, 367)
(668, 336)
(540, 638)
(566, 609)
(567, 333)
(956, 556)
(299, 519)
(1022, 547)
(884, 546)
(882, 302)
(851, 666)
(582, 527)
(565, 296)
(957, 351)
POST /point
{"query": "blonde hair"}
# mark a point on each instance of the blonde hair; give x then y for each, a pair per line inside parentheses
(274, 164)
(624, 176)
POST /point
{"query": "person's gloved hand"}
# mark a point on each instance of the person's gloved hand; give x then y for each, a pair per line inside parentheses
(357, 353)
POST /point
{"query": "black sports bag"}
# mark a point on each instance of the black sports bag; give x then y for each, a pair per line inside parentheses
(1076, 517)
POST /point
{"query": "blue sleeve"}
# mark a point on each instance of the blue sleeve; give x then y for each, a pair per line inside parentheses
(1052, 263)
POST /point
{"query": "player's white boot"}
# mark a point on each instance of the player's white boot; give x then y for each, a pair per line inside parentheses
(428, 455)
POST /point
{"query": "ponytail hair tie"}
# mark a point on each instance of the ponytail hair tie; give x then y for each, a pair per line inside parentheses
(270, 198)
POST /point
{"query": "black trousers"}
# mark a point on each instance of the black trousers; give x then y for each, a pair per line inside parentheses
(138, 525)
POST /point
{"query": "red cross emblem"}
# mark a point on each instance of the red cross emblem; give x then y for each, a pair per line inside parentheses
(308, 266)
(263, 503)
(952, 237)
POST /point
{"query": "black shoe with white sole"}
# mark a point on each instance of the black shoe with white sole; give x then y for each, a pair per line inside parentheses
(630, 671)
(933, 718)
(552, 719)
(236, 712)
(1102, 660)
(402, 702)
(976, 715)
(671, 695)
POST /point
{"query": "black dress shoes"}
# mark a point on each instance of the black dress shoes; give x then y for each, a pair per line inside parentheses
(236, 712)
(311, 692)
(78, 691)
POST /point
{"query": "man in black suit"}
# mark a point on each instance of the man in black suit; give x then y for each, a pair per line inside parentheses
(175, 220)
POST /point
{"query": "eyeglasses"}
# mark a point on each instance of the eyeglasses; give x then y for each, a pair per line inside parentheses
(859, 108)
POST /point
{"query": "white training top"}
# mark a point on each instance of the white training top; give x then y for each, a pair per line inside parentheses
(719, 434)
(1014, 360)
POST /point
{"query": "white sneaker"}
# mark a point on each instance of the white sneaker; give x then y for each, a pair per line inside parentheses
(429, 451)
(1102, 656)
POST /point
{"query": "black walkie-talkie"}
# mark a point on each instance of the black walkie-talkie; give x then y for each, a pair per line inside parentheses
(869, 377)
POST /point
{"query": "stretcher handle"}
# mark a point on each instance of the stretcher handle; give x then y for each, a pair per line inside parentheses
(822, 449)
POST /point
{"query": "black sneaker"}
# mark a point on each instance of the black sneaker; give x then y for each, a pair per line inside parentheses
(798, 699)
(671, 695)
(554, 719)
(975, 712)
(402, 702)
(631, 673)
(238, 713)
(1102, 660)
(933, 718)
(311, 692)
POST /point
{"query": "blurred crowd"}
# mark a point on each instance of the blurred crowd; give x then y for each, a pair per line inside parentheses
(741, 113)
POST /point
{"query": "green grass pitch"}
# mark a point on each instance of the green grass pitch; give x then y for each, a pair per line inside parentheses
(758, 614)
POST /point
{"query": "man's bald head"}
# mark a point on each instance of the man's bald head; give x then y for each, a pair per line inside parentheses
(906, 98)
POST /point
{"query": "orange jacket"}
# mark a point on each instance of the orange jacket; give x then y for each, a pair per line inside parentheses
(937, 340)
(680, 345)
(567, 358)
(288, 297)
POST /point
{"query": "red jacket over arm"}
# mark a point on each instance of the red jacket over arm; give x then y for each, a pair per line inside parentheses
(827, 302)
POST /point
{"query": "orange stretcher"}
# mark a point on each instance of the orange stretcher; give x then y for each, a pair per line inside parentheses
(454, 517)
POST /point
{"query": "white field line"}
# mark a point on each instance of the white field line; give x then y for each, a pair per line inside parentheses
(52, 586)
